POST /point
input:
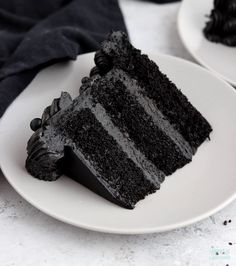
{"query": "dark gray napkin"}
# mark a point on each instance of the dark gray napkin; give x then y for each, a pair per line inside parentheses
(35, 34)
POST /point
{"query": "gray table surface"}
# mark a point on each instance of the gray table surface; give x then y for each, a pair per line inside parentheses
(29, 237)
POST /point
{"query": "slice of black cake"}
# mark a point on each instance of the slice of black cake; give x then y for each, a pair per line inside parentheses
(221, 26)
(129, 127)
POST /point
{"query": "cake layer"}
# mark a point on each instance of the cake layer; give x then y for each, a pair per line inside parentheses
(156, 139)
(167, 97)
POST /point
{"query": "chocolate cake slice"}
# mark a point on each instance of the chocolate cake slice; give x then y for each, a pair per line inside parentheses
(221, 27)
(129, 128)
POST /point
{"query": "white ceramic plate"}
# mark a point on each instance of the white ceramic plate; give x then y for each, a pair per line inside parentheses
(216, 57)
(194, 192)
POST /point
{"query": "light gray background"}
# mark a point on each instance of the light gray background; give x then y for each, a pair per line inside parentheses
(29, 237)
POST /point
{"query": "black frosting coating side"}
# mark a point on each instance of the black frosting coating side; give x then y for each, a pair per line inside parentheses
(42, 162)
(73, 167)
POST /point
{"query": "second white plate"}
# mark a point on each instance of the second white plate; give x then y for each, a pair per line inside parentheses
(216, 57)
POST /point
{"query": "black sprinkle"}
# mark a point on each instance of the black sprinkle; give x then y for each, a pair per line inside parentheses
(225, 223)
(217, 253)
(230, 243)
(229, 221)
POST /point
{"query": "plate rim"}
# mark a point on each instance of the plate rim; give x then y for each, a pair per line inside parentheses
(192, 53)
(115, 230)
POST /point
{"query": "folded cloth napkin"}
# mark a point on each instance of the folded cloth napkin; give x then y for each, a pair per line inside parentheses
(35, 34)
